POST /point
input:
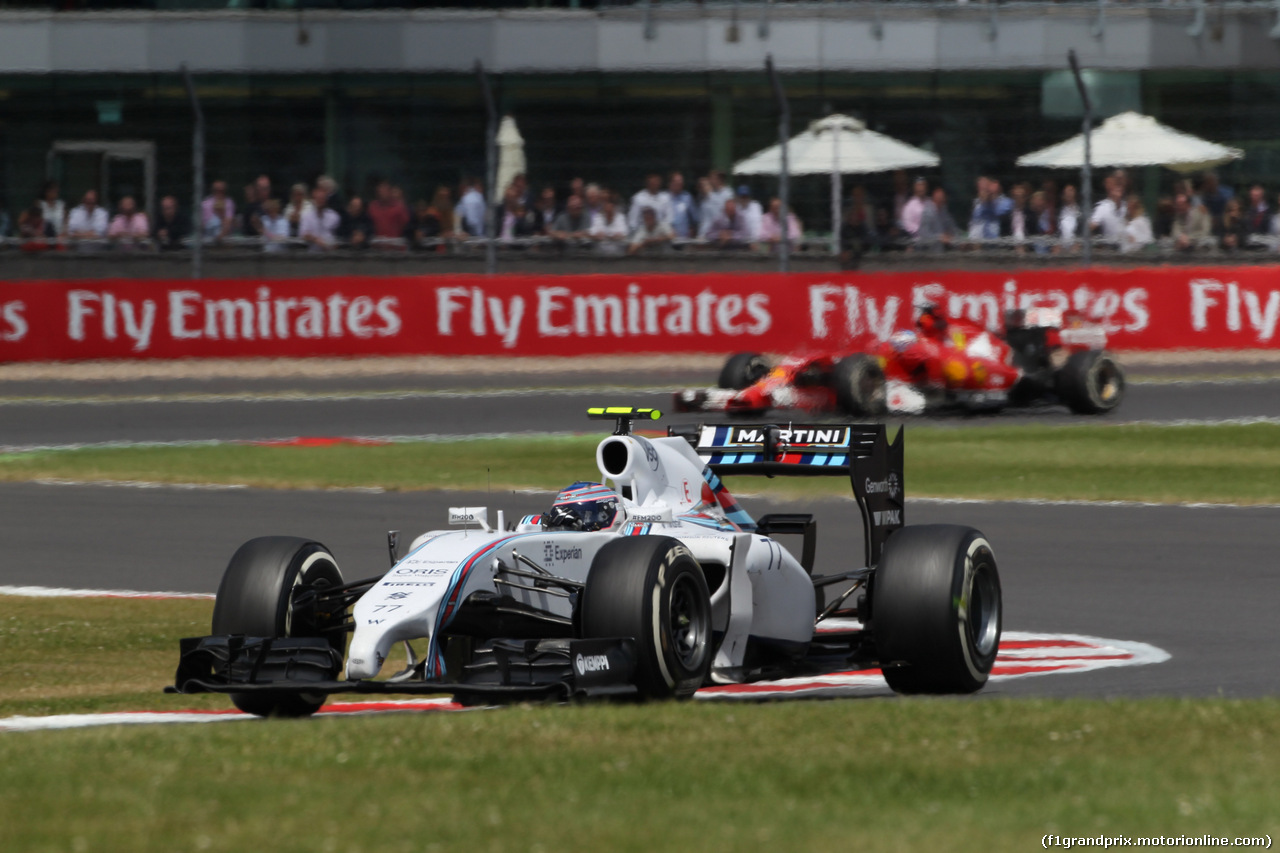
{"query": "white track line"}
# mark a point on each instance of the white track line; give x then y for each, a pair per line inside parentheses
(63, 592)
(334, 397)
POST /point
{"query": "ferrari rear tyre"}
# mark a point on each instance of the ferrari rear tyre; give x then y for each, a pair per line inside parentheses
(743, 370)
(1091, 383)
(651, 588)
(860, 385)
(255, 598)
(936, 609)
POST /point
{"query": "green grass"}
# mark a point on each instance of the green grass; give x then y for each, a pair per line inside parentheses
(1220, 464)
(872, 774)
(882, 774)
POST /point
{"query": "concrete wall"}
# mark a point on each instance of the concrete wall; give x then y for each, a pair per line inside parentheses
(845, 37)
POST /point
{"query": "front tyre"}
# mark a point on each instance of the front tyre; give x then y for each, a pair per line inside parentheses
(1091, 382)
(860, 385)
(742, 370)
(651, 588)
(255, 598)
(936, 609)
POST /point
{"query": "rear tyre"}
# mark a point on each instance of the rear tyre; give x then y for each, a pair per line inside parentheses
(936, 609)
(860, 385)
(255, 598)
(1091, 383)
(652, 589)
(742, 370)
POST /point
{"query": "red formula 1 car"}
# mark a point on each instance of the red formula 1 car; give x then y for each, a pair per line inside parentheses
(1043, 357)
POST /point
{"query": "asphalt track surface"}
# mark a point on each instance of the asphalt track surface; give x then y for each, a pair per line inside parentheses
(1196, 582)
(44, 414)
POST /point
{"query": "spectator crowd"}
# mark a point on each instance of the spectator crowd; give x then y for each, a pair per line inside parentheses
(1198, 216)
(663, 215)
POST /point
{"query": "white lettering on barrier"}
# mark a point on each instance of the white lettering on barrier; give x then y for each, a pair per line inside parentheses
(82, 305)
(193, 317)
(863, 315)
(15, 324)
(1116, 311)
(561, 313)
(505, 317)
(1207, 294)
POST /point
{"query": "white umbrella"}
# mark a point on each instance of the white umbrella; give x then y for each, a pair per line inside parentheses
(1133, 139)
(837, 145)
(510, 155)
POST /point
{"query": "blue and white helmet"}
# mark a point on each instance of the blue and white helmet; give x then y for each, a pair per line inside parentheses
(582, 506)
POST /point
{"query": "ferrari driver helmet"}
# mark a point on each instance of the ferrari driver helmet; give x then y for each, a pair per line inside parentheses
(582, 506)
(931, 320)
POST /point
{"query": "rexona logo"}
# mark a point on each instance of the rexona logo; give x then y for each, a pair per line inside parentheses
(888, 486)
(553, 553)
(591, 663)
(888, 516)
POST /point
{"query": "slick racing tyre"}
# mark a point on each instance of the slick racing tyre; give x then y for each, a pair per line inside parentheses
(652, 589)
(1091, 383)
(255, 598)
(742, 370)
(860, 385)
(936, 609)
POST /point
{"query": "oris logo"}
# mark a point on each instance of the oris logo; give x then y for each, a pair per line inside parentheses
(422, 571)
(591, 663)
(888, 486)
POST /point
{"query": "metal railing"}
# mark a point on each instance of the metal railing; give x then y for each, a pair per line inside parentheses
(814, 246)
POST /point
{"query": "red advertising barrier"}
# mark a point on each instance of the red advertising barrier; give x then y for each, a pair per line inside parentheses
(1154, 308)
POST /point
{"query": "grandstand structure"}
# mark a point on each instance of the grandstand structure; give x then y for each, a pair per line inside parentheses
(362, 90)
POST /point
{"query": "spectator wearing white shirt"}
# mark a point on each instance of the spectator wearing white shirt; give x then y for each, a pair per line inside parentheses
(1137, 230)
(751, 213)
(53, 208)
(652, 232)
(684, 210)
(318, 227)
(713, 194)
(471, 209)
(217, 212)
(1068, 216)
(653, 197)
(1109, 216)
(609, 228)
(273, 226)
(87, 222)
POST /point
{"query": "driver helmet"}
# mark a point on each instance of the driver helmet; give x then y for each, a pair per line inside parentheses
(931, 321)
(582, 506)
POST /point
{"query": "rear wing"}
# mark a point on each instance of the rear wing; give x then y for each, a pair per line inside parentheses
(861, 452)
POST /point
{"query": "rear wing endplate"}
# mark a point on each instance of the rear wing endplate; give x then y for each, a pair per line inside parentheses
(862, 452)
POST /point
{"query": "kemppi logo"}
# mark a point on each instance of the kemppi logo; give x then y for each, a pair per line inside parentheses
(591, 663)
(888, 486)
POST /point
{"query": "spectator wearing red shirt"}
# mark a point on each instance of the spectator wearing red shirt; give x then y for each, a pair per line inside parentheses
(390, 217)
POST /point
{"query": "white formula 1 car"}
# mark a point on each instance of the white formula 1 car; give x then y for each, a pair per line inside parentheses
(651, 586)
